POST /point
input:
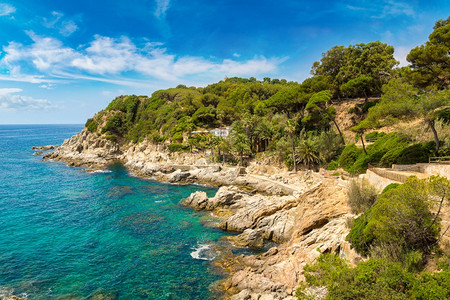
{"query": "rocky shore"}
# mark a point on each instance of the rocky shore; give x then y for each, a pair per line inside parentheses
(306, 213)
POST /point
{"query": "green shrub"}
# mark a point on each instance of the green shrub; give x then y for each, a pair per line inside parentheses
(361, 195)
(111, 138)
(374, 135)
(359, 237)
(333, 165)
(401, 217)
(349, 155)
(367, 105)
(114, 125)
(390, 187)
(374, 279)
(417, 153)
(177, 137)
(175, 147)
(91, 125)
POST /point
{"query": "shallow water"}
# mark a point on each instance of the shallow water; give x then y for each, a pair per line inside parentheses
(66, 233)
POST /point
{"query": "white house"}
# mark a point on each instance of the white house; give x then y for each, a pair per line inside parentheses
(221, 131)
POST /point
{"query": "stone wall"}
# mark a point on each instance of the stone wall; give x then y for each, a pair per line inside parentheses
(379, 182)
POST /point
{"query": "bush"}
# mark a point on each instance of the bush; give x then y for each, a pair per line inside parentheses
(349, 155)
(359, 237)
(367, 105)
(91, 125)
(361, 195)
(390, 187)
(114, 125)
(333, 165)
(175, 147)
(417, 153)
(402, 218)
(374, 135)
(375, 279)
(177, 137)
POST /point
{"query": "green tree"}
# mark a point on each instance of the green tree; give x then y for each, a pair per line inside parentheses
(224, 147)
(308, 153)
(239, 141)
(291, 129)
(429, 106)
(430, 63)
(318, 109)
(359, 86)
(341, 64)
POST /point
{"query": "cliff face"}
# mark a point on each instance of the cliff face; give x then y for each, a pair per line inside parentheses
(304, 212)
(86, 149)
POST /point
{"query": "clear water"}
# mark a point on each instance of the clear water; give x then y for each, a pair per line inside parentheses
(69, 234)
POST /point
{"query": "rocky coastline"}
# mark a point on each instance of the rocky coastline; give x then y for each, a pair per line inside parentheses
(306, 213)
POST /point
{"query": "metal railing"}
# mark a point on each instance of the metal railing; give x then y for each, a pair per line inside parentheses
(439, 159)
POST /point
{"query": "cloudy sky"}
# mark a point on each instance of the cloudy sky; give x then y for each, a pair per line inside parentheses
(62, 61)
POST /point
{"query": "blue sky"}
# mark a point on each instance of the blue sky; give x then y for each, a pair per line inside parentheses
(62, 61)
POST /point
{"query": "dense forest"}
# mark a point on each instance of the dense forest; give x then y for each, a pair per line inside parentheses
(398, 231)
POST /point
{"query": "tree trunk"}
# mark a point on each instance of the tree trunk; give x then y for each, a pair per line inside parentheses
(242, 159)
(223, 158)
(362, 141)
(436, 138)
(340, 132)
(293, 153)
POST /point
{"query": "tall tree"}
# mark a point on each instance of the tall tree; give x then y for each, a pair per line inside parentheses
(318, 109)
(291, 129)
(239, 141)
(341, 64)
(430, 63)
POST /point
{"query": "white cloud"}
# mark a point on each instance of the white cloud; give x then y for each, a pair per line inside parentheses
(6, 91)
(9, 100)
(6, 9)
(68, 27)
(161, 8)
(63, 25)
(107, 57)
(395, 8)
(400, 55)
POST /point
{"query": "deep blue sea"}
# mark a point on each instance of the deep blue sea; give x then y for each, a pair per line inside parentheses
(69, 234)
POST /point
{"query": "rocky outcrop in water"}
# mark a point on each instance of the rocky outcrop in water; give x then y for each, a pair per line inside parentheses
(86, 149)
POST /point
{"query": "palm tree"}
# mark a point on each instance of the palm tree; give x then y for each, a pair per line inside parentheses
(290, 129)
(308, 154)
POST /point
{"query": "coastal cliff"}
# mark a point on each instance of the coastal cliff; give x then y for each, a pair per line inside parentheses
(304, 212)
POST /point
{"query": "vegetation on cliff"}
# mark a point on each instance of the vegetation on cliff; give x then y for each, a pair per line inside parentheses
(296, 122)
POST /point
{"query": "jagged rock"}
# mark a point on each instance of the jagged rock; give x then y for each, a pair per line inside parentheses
(178, 176)
(197, 200)
(249, 238)
(44, 148)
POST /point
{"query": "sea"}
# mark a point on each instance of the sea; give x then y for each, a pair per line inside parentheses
(66, 233)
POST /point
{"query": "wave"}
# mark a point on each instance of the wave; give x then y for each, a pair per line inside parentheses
(203, 252)
(100, 171)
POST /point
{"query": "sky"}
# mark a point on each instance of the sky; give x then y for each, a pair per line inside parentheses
(62, 61)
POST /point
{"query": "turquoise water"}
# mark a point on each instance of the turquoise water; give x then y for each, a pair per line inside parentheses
(69, 234)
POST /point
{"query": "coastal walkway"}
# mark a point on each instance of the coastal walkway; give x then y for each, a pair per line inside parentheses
(381, 177)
